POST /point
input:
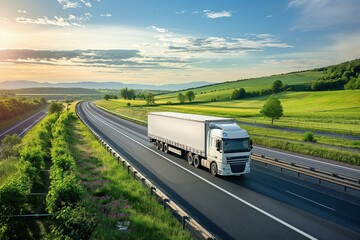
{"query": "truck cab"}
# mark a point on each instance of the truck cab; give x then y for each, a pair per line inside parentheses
(228, 149)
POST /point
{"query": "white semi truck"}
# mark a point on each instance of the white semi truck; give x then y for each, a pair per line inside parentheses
(215, 143)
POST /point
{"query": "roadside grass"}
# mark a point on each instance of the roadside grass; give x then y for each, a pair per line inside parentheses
(299, 137)
(108, 184)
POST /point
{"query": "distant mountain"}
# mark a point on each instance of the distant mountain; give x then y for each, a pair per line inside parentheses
(99, 85)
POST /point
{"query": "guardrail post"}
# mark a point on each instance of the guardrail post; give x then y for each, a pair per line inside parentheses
(183, 221)
(135, 172)
(152, 189)
(164, 203)
(128, 169)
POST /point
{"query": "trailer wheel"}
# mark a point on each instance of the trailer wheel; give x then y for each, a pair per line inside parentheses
(157, 144)
(190, 158)
(161, 146)
(213, 169)
(166, 148)
(196, 161)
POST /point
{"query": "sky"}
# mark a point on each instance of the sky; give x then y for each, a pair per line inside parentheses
(173, 41)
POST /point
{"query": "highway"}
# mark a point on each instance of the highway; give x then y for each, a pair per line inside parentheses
(264, 204)
(24, 126)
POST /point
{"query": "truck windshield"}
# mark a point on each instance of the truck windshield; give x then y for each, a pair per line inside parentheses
(236, 145)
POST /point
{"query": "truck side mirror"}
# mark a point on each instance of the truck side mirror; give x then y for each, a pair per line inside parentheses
(251, 144)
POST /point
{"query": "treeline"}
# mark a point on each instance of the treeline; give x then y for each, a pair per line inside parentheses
(342, 76)
(277, 87)
(65, 198)
(11, 107)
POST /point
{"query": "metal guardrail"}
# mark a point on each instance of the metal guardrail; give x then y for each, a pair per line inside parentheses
(345, 181)
(187, 221)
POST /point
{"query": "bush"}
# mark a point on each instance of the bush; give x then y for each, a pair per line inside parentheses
(34, 155)
(13, 197)
(309, 137)
(63, 193)
(76, 223)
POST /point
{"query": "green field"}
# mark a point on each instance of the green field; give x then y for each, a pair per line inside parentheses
(332, 111)
(223, 91)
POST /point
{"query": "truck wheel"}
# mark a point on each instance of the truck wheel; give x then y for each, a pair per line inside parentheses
(156, 144)
(166, 148)
(196, 161)
(190, 158)
(213, 169)
(161, 146)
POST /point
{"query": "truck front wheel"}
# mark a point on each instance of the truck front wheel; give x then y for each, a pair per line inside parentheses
(190, 158)
(213, 169)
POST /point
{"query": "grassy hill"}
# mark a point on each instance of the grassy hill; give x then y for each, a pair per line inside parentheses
(222, 91)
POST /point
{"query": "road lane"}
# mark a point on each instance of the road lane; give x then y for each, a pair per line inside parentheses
(24, 126)
(222, 213)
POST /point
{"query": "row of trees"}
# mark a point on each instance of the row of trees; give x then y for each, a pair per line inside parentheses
(189, 96)
(241, 93)
(345, 75)
(14, 193)
(11, 107)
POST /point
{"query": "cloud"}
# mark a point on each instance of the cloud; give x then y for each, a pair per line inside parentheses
(105, 15)
(114, 58)
(220, 45)
(213, 15)
(68, 4)
(87, 4)
(160, 30)
(71, 20)
(269, 16)
(180, 12)
(21, 11)
(319, 14)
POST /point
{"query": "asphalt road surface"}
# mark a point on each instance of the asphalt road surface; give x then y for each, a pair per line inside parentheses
(265, 204)
(24, 126)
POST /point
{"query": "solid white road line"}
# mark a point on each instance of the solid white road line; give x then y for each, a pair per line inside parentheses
(95, 119)
(299, 196)
(16, 125)
(26, 129)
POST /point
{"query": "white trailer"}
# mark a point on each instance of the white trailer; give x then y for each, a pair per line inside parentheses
(215, 143)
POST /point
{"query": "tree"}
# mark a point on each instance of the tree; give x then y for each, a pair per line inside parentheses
(181, 98)
(150, 99)
(190, 95)
(235, 94)
(107, 97)
(8, 145)
(277, 86)
(124, 93)
(272, 109)
(55, 107)
(242, 93)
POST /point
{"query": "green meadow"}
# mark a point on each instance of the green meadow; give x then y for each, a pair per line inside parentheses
(223, 91)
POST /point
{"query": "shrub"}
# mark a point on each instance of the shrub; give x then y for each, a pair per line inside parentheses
(76, 223)
(62, 193)
(309, 137)
(13, 197)
(33, 154)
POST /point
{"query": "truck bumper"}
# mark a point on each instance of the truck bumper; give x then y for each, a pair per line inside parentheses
(233, 169)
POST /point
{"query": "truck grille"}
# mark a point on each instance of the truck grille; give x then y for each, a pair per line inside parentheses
(241, 159)
(237, 168)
